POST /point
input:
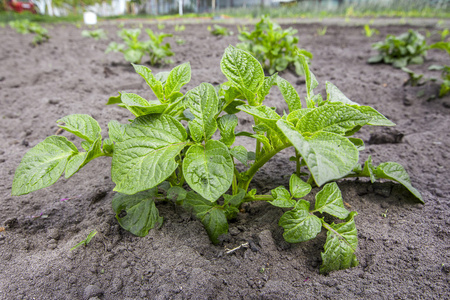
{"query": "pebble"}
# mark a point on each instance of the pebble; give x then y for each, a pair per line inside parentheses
(92, 291)
(446, 103)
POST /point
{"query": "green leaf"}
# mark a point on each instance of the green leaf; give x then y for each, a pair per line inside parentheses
(114, 100)
(289, 93)
(368, 170)
(83, 126)
(42, 165)
(133, 56)
(359, 143)
(210, 214)
(396, 172)
(299, 225)
(266, 86)
(138, 106)
(240, 153)
(116, 131)
(282, 198)
(243, 71)
(154, 84)
(342, 240)
(327, 155)
(234, 200)
(108, 146)
(298, 187)
(331, 118)
(311, 81)
(376, 118)
(335, 95)
(202, 102)
(329, 200)
(227, 125)
(141, 212)
(179, 76)
(146, 156)
(86, 241)
(208, 169)
(82, 158)
(176, 193)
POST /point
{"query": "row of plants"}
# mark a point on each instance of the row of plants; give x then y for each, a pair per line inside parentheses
(169, 152)
(24, 26)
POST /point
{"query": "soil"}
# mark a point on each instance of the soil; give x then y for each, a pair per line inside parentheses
(404, 246)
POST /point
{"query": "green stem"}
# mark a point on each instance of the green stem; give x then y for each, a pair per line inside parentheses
(297, 163)
(248, 176)
(258, 198)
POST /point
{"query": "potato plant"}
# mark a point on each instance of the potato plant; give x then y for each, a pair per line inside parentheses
(134, 50)
(276, 49)
(400, 51)
(218, 30)
(168, 153)
(24, 26)
(445, 70)
(97, 34)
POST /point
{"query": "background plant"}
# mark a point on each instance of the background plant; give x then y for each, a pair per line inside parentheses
(157, 158)
(134, 49)
(276, 49)
(369, 32)
(219, 30)
(400, 51)
(445, 69)
(97, 34)
(24, 26)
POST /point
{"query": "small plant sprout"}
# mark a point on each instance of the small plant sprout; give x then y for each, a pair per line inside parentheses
(170, 152)
(97, 34)
(86, 241)
(24, 26)
(369, 32)
(179, 28)
(445, 69)
(322, 31)
(384, 215)
(219, 30)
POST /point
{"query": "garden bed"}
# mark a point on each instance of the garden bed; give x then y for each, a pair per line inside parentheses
(403, 250)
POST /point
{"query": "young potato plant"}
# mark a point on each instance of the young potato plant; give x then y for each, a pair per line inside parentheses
(276, 49)
(134, 50)
(445, 70)
(168, 152)
(24, 26)
(97, 34)
(219, 30)
(400, 51)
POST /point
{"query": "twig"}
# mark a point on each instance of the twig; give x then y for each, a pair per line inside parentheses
(245, 245)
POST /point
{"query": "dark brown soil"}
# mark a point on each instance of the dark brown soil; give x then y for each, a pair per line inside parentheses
(404, 247)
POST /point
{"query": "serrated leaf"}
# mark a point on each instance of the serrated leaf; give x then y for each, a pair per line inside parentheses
(340, 246)
(329, 200)
(141, 212)
(331, 118)
(290, 95)
(298, 187)
(153, 83)
(179, 76)
(146, 155)
(81, 159)
(227, 125)
(243, 71)
(42, 165)
(83, 126)
(282, 198)
(328, 156)
(299, 225)
(240, 153)
(116, 131)
(208, 169)
(202, 102)
(139, 106)
(396, 172)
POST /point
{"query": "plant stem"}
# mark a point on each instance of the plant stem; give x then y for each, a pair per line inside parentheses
(248, 175)
(259, 198)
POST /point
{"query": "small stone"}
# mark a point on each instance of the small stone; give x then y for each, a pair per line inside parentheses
(53, 101)
(234, 231)
(407, 101)
(446, 103)
(92, 291)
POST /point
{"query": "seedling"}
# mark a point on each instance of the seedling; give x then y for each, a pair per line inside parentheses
(134, 49)
(400, 51)
(179, 28)
(169, 153)
(98, 34)
(414, 79)
(322, 31)
(276, 49)
(369, 32)
(86, 241)
(219, 30)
